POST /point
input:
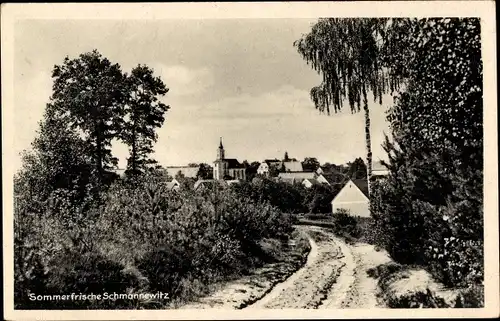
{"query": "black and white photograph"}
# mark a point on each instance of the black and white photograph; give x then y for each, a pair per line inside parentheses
(320, 162)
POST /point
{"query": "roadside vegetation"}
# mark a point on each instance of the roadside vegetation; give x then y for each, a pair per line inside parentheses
(80, 228)
(429, 210)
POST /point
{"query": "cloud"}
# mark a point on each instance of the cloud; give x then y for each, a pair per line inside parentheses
(286, 101)
(182, 80)
(262, 126)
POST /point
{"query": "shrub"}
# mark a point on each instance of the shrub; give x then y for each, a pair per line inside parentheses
(417, 300)
(177, 243)
(345, 225)
(472, 297)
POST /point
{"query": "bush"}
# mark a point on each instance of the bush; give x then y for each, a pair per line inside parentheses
(177, 243)
(417, 300)
(472, 297)
(345, 225)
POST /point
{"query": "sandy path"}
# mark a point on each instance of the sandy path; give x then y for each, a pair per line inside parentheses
(308, 287)
(333, 277)
(280, 288)
(355, 289)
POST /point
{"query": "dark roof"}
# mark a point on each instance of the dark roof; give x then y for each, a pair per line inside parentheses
(362, 184)
(233, 163)
(335, 178)
(272, 161)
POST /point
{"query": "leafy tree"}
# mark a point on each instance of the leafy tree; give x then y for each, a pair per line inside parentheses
(430, 208)
(89, 91)
(57, 161)
(286, 158)
(357, 169)
(250, 169)
(310, 164)
(274, 170)
(144, 113)
(205, 171)
(346, 52)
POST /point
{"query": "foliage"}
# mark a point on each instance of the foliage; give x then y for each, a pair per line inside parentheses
(357, 169)
(347, 53)
(416, 300)
(161, 240)
(88, 94)
(310, 164)
(318, 198)
(286, 197)
(430, 209)
(145, 112)
(345, 225)
(472, 297)
(250, 170)
(205, 171)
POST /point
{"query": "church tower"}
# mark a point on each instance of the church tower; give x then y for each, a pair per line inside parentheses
(219, 164)
(220, 151)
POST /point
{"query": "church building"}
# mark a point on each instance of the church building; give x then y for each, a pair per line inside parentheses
(227, 168)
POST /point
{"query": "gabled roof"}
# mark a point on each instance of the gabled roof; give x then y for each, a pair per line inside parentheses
(287, 180)
(173, 185)
(378, 169)
(187, 171)
(313, 181)
(377, 165)
(233, 163)
(293, 166)
(362, 184)
(297, 175)
(210, 182)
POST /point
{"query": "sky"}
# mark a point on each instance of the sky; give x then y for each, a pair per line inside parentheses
(240, 79)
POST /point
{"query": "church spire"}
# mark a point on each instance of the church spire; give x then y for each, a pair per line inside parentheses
(220, 151)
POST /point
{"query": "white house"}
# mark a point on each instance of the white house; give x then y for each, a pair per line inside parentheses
(266, 165)
(353, 197)
(173, 185)
(309, 182)
(379, 170)
(263, 169)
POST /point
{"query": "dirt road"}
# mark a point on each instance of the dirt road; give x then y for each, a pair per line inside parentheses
(333, 277)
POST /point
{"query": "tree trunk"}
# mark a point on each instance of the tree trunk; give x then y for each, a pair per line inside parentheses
(99, 152)
(368, 141)
(134, 151)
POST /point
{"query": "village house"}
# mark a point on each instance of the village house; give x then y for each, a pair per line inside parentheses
(308, 179)
(292, 166)
(268, 164)
(354, 198)
(379, 170)
(173, 185)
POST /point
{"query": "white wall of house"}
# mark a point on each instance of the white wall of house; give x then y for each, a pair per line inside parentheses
(307, 183)
(263, 169)
(321, 179)
(352, 199)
